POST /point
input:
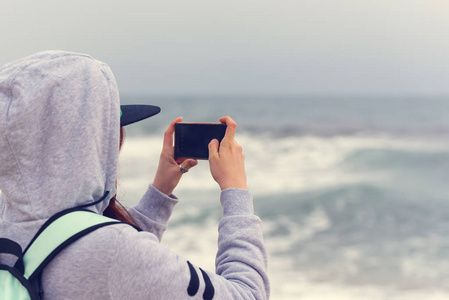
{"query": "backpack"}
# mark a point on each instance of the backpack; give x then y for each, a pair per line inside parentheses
(23, 281)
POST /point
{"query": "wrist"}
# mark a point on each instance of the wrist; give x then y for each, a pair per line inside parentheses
(163, 189)
(234, 185)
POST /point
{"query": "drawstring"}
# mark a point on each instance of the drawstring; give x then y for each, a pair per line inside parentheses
(93, 203)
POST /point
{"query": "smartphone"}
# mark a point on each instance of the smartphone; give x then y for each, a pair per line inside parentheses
(192, 139)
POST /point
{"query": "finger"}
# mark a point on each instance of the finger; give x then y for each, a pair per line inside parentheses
(237, 144)
(168, 135)
(238, 147)
(231, 127)
(189, 163)
(213, 149)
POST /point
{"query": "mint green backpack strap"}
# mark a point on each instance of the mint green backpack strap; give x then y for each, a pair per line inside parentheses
(12, 283)
(57, 233)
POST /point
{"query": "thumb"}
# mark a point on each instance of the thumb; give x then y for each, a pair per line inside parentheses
(213, 149)
(191, 162)
(188, 164)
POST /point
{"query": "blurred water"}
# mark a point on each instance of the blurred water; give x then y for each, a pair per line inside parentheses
(352, 191)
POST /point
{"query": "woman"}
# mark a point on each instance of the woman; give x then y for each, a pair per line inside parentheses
(59, 148)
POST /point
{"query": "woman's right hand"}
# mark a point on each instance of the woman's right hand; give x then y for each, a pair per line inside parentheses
(168, 173)
(226, 159)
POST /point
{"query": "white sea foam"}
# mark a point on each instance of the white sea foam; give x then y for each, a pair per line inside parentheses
(273, 165)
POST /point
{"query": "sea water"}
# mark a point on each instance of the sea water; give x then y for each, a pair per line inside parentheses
(352, 191)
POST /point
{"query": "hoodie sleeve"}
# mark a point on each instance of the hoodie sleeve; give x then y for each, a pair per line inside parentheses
(154, 272)
(153, 211)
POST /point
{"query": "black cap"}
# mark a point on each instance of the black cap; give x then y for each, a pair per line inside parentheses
(133, 113)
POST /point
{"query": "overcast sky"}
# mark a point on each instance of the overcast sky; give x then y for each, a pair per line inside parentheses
(237, 47)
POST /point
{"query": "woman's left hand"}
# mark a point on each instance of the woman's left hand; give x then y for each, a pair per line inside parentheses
(168, 172)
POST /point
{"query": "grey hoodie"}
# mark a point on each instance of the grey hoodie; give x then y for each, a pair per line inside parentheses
(59, 148)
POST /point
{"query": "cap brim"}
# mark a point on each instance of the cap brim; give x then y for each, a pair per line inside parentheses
(135, 113)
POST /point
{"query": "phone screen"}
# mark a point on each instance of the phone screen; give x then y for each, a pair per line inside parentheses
(192, 139)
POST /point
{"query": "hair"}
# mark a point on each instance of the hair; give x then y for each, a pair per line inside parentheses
(115, 209)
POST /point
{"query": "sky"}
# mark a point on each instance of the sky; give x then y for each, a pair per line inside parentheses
(237, 47)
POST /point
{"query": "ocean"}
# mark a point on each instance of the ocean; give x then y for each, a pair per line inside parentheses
(352, 191)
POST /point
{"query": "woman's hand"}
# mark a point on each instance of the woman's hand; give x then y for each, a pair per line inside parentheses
(168, 172)
(227, 159)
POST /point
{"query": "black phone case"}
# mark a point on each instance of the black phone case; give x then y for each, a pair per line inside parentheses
(192, 139)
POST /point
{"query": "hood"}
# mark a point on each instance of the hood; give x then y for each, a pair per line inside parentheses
(59, 138)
